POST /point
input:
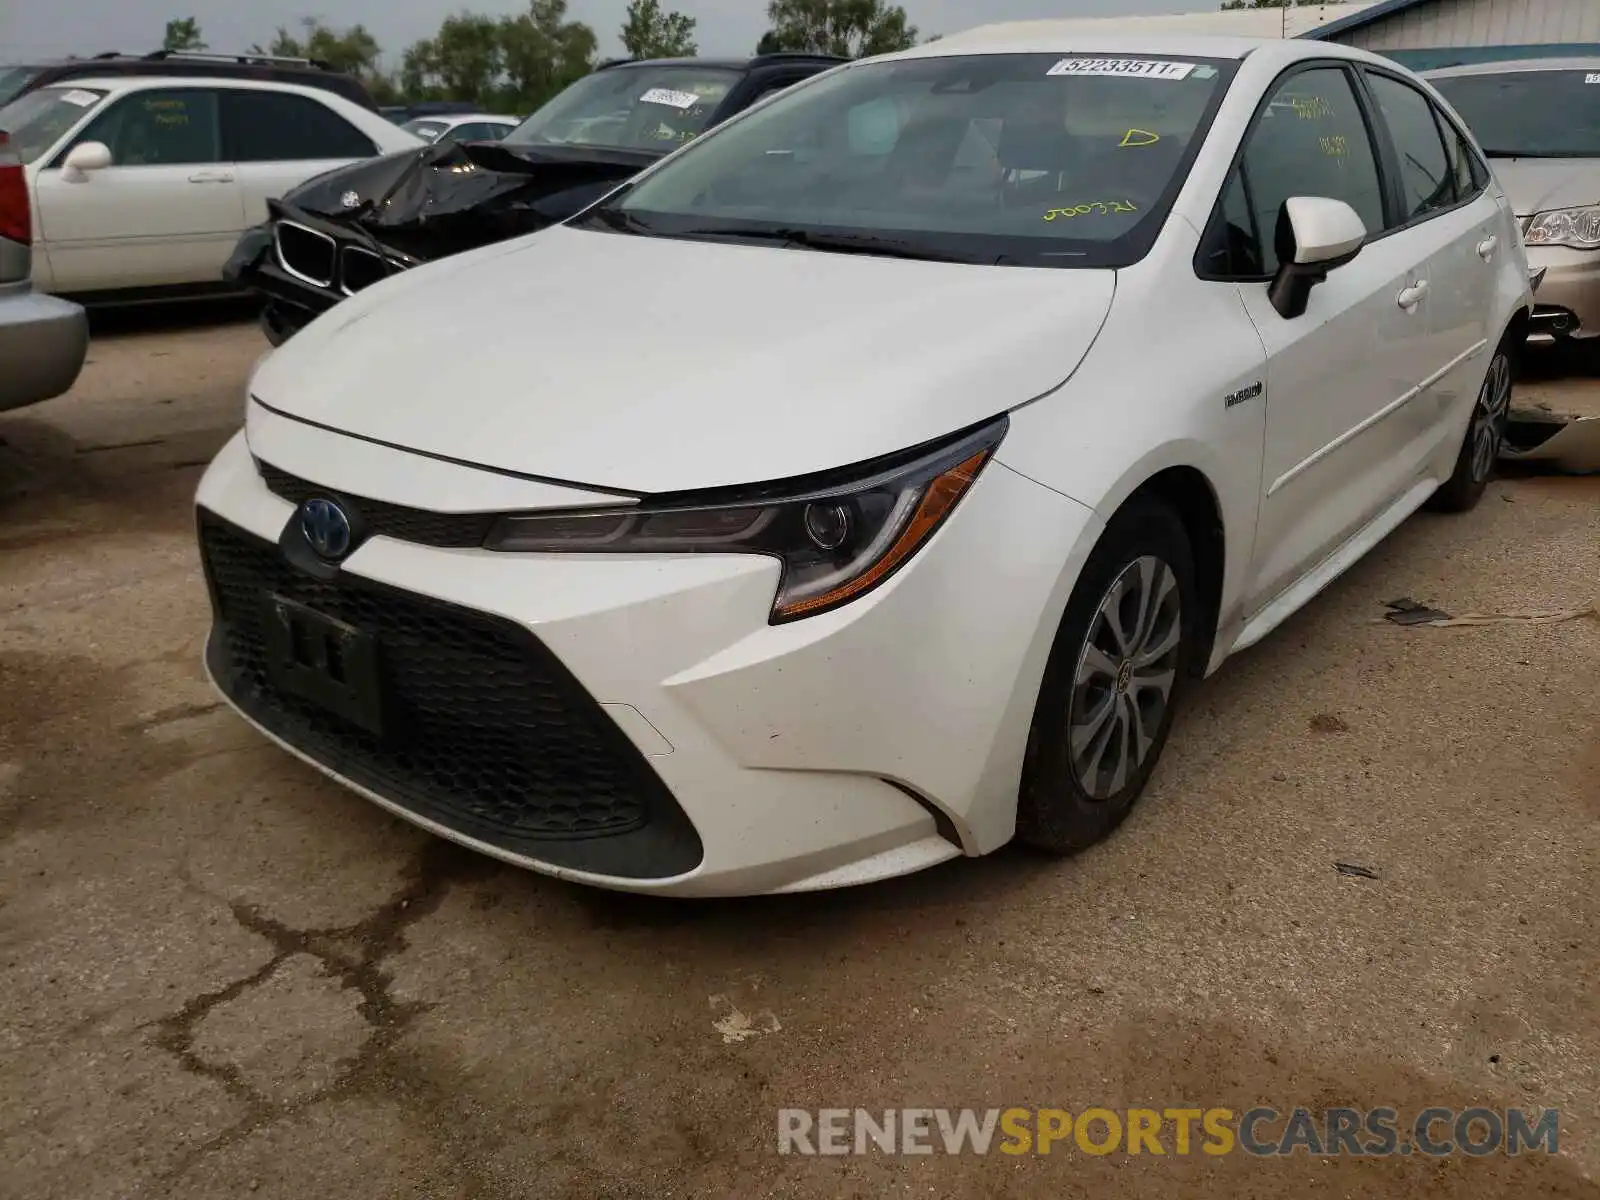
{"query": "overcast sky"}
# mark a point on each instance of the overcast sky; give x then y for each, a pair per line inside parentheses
(29, 28)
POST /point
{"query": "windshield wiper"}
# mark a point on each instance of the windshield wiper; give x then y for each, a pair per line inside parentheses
(837, 243)
(1535, 154)
(618, 221)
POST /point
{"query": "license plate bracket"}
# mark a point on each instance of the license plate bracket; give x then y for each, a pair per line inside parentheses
(325, 661)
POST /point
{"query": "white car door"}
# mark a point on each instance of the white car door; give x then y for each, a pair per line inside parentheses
(1448, 209)
(166, 212)
(1340, 375)
(279, 139)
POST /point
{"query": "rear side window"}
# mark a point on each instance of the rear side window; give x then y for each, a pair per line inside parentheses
(1310, 140)
(159, 128)
(284, 127)
(1427, 182)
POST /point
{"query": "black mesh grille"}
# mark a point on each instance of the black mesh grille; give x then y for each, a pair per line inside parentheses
(309, 253)
(457, 531)
(360, 268)
(484, 731)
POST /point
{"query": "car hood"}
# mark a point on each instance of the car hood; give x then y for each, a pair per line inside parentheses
(1536, 185)
(655, 365)
(450, 196)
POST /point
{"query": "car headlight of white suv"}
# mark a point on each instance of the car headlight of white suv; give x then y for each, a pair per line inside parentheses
(1577, 228)
(837, 538)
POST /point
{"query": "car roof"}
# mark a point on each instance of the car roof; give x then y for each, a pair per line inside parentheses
(145, 83)
(781, 58)
(1093, 37)
(463, 118)
(1515, 65)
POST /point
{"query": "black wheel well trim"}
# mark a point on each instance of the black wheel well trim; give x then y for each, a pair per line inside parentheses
(1515, 339)
(1189, 493)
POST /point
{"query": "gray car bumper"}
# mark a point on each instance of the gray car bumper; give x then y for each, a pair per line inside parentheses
(43, 342)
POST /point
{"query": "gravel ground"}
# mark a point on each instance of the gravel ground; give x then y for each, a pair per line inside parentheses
(226, 976)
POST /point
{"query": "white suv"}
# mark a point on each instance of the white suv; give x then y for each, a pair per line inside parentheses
(142, 186)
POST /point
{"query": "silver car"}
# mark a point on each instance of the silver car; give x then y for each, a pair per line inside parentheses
(1538, 120)
(43, 339)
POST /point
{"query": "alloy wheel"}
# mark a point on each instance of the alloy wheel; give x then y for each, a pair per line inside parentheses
(1489, 417)
(1125, 676)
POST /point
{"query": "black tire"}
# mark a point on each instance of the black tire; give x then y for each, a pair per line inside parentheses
(1486, 433)
(1056, 812)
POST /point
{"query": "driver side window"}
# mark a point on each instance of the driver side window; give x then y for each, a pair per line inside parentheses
(1309, 140)
(160, 128)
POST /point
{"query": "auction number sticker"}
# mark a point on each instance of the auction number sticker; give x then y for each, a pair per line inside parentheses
(1592, 77)
(670, 98)
(1136, 68)
(79, 97)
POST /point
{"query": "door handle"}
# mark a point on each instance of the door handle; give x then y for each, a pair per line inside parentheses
(211, 177)
(1410, 297)
(1487, 247)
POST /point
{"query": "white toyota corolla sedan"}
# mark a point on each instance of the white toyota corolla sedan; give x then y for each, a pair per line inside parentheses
(861, 486)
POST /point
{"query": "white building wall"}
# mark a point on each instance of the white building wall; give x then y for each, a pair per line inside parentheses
(1481, 23)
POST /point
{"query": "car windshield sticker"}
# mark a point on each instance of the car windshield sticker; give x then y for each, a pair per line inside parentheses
(1592, 77)
(1137, 68)
(79, 97)
(1100, 207)
(670, 98)
(1138, 137)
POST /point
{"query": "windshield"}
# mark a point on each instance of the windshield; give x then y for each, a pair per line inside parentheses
(37, 121)
(426, 129)
(14, 79)
(1534, 114)
(1025, 159)
(636, 108)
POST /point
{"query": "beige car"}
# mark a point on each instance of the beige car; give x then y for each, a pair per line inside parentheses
(1538, 120)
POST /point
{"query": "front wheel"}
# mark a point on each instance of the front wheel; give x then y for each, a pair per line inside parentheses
(1486, 434)
(1112, 683)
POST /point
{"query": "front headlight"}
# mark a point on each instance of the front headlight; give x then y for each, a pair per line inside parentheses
(837, 538)
(1578, 228)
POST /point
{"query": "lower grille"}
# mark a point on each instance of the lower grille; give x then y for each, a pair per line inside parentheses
(484, 731)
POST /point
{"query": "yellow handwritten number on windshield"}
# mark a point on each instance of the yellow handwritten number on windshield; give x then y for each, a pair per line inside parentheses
(1099, 207)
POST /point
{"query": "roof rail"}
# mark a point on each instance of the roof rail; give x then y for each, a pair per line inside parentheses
(105, 54)
(810, 55)
(162, 55)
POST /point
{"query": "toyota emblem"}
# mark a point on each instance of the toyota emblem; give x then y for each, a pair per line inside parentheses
(326, 528)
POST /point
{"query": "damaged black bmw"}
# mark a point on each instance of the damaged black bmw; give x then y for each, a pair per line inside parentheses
(346, 229)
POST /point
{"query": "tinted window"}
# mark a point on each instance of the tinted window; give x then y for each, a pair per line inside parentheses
(1468, 177)
(159, 128)
(1030, 158)
(284, 127)
(1532, 114)
(1309, 141)
(1233, 243)
(1426, 182)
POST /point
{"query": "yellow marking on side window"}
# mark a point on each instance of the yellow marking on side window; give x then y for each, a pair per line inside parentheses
(1138, 137)
(1336, 146)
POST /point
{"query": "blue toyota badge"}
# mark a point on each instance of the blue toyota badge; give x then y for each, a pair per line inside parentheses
(326, 527)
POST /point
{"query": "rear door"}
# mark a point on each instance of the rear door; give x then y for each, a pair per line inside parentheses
(280, 139)
(1448, 212)
(166, 211)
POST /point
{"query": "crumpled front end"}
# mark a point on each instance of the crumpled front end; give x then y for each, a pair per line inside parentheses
(347, 229)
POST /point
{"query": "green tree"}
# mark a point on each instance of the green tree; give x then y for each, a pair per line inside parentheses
(353, 50)
(183, 33)
(543, 53)
(463, 61)
(650, 33)
(851, 28)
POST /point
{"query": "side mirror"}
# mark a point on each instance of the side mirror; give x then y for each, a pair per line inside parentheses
(1315, 235)
(83, 158)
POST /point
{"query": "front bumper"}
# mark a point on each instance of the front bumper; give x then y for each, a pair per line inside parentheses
(1567, 302)
(336, 265)
(868, 742)
(43, 343)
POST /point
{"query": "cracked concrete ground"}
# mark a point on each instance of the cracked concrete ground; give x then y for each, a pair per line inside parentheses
(226, 976)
